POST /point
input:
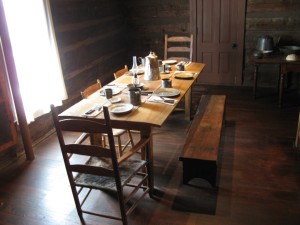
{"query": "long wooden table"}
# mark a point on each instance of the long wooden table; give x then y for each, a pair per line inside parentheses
(148, 114)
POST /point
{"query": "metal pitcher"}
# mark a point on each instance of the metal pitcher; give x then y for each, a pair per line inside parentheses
(151, 67)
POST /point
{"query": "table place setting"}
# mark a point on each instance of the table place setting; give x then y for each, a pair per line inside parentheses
(166, 92)
(121, 108)
(113, 85)
(184, 63)
(94, 111)
(163, 100)
(184, 75)
(115, 90)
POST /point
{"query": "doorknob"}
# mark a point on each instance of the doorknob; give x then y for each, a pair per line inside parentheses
(234, 45)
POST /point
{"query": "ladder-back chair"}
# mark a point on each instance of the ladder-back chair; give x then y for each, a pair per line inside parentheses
(121, 72)
(91, 168)
(179, 48)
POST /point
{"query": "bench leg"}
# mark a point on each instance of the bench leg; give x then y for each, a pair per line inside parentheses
(199, 169)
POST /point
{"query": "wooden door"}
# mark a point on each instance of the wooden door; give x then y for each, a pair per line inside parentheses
(219, 40)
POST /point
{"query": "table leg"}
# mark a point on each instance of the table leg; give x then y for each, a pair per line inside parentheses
(255, 80)
(187, 104)
(281, 89)
(148, 154)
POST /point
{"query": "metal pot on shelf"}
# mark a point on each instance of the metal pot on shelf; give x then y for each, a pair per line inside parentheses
(265, 44)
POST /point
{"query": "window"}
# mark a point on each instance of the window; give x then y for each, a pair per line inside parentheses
(36, 56)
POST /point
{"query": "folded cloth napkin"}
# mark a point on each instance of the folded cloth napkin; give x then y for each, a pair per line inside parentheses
(168, 101)
(94, 111)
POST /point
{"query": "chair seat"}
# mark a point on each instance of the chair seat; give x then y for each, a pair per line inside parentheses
(127, 170)
(117, 132)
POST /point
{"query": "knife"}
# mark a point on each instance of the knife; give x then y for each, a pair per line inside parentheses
(146, 92)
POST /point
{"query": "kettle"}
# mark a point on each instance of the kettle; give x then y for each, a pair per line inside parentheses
(265, 44)
(151, 67)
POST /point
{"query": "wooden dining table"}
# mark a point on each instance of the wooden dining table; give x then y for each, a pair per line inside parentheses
(148, 114)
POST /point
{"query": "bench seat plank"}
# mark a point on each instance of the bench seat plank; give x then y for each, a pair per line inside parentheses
(201, 149)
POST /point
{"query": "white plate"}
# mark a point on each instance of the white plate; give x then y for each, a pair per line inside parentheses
(184, 75)
(121, 108)
(114, 100)
(170, 61)
(115, 91)
(167, 92)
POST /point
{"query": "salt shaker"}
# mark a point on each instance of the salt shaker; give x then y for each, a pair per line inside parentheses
(135, 80)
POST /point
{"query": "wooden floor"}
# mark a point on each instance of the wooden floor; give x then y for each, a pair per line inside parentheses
(259, 176)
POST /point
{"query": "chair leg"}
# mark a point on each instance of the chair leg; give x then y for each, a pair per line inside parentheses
(122, 205)
(77, 203)
(120, 145)
(103, 142)
(130, 137)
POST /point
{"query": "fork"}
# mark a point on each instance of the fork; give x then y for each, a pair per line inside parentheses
(171, 101)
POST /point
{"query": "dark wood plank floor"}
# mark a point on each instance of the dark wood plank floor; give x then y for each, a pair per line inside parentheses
(259, 176)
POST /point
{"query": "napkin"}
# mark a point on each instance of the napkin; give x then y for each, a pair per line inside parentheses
(168, 101)
(94, 111)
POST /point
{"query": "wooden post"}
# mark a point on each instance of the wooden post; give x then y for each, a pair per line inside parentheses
(13, 79)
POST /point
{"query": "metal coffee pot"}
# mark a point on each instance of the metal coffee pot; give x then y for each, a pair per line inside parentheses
(151, 67)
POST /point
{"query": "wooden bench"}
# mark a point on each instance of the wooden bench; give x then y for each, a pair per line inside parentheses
(201, 149)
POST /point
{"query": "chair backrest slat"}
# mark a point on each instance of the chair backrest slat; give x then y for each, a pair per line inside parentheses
(121, 72)
(89, 150)
(91, 89)
(94, 170)
(82, 125)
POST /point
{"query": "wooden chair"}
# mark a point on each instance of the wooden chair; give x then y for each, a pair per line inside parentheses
(179, 48)
(117, 133)
(88, 91)
(91, 89)
(117, 75)
(92, 168)
(121, 72)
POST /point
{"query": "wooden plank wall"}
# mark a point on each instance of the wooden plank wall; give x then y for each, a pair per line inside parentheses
(91, 41)
(148, 21)
(97, 37)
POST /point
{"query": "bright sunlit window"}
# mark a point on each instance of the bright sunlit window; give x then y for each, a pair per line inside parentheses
(35, 54)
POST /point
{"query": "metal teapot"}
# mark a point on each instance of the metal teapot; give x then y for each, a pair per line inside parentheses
(151, 67)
